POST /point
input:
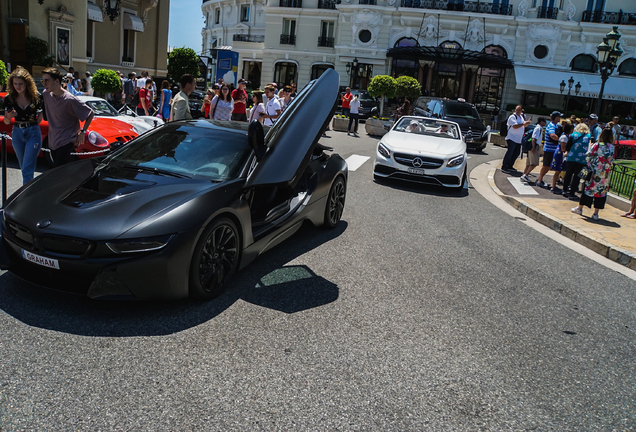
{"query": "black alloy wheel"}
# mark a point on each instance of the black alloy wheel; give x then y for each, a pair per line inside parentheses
(215, 260)
(335, 202)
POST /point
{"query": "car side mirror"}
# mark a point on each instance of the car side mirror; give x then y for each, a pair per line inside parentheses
(256, 138)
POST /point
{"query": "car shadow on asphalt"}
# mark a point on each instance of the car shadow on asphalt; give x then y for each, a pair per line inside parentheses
(424, 189)
(266, 282)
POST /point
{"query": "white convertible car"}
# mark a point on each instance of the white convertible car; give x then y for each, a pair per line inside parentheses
(423, 150)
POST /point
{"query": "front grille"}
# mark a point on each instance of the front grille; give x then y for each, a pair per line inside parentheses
(427, 162)
(20, 234)
(65, 245)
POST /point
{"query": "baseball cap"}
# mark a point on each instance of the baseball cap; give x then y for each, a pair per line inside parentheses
(594, 116)
(242, 81)
(556, 114)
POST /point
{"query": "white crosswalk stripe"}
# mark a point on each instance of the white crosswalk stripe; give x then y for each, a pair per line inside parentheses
(521, 187)
(355, 161)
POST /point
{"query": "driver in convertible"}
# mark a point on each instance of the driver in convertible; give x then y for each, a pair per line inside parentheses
(444, 130)
(414, 127)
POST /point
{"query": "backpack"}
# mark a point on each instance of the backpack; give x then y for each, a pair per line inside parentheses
(135, 99)
(526, 141)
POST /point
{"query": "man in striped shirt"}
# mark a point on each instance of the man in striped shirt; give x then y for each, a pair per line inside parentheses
(552, 133)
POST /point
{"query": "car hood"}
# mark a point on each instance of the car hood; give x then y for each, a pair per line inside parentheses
(423, 144)
(96, 202)
(112, 128)
(140, 124)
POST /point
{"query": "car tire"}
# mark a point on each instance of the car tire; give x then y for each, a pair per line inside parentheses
(335, 202)
(215, 259)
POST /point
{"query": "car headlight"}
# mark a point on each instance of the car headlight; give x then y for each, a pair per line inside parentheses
(139, 245)
(384, 150)
(96, 139)
(456, 161)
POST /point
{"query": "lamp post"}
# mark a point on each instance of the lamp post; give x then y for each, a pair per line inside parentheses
(111, 8)
(352, 70)
(607, 55)
(577, 89)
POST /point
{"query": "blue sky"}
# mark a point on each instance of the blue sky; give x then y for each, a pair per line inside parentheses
(186, 23)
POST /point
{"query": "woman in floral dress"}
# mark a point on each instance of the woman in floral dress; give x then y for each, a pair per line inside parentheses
(575, 161)
(599, 160)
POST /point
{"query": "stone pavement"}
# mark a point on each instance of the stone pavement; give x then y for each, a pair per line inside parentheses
(611, 236)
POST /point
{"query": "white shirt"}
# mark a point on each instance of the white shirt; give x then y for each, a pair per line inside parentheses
(256, 109)
(270, 109)
(354, 106)
(141, 82)
(515, 135)
(537, 134)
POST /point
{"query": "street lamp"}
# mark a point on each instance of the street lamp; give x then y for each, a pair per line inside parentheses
(577, 89)
(352, 70)
(111, 8)
(607, 55)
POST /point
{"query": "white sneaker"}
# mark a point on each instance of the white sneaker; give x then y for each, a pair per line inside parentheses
(595, 217)
(577, 211)
(525, 178)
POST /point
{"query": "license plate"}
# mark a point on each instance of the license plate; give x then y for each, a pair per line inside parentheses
(417, 171)
(40, 260)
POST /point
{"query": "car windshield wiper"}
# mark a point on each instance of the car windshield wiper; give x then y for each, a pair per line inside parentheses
(156, 171)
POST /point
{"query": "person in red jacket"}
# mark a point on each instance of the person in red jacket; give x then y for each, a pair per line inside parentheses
(239, 95)
(346, 101)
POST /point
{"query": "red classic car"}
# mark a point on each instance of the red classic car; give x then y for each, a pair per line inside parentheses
(102, 132)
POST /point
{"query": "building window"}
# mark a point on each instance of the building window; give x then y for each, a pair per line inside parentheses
(326, 38)
(318, 70)
(129, 46)
(364, 36)
(285, 73)
(252, 73)
(540, 51)
(584, 63)
(217, 15)
(90, 38)
(288, 37)
(245, 13)
(628, 67)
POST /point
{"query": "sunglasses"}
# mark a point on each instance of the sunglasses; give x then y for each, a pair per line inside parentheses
(225, 89)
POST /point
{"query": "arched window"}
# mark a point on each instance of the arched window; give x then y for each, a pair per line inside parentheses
(406, 42)
(285, 73)
(628, 67)
(490, 81)
(319, 69)
(584, 63)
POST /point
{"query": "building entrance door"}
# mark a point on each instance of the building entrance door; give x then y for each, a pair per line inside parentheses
(446, 80)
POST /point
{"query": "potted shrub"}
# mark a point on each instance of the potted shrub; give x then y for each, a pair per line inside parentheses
(106, 81)
(340, 123)
(4, 75)
(37, 51)
(382, 86)
(408, 87)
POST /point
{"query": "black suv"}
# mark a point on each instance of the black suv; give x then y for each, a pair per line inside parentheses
(461, 112)
(368, 105)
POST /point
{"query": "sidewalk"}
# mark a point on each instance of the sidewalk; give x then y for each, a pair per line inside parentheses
(612, 236)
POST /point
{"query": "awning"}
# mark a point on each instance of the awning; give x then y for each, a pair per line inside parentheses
(617, 88)
(132, 22)
(449, 55)
(95, 13)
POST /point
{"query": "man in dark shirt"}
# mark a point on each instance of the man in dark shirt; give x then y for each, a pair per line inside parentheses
(64, 113)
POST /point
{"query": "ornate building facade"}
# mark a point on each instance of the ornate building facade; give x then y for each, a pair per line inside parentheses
(492, 53)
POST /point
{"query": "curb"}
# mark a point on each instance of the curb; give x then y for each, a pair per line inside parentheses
(621, 256)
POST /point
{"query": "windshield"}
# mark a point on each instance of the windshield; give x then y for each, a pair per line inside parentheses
(460, 110)
(421, 126)
(102, 108)
(365, 96)
(197, 151)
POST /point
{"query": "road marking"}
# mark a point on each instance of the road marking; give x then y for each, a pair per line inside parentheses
(355, 161)
(496, 148)
(521, 187)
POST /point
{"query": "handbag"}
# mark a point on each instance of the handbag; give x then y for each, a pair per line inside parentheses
(585, 174)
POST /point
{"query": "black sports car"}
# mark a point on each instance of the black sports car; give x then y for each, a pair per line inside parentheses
(177, 211)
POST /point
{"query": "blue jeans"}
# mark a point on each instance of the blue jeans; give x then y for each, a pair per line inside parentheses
(345, 111)
(511, 154)
(27, 144)
(352, 117)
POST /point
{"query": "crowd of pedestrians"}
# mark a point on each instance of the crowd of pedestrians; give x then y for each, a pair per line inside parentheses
(581, 150)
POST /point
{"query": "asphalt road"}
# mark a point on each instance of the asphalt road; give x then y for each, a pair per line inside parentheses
(423, 310)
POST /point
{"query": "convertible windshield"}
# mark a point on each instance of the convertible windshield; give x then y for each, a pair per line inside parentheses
(460, 110)
(102, 108)
(422, 126)
(196, 151)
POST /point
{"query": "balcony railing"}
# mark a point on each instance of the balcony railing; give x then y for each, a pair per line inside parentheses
(324, 41)
(327, 4)
(369, 2)
(248, 38)
(287, 39)
(469, 6)
(291, 3)
(547, 12)
(609, 17)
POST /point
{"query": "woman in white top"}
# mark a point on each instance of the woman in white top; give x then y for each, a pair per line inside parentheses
(258, 107)
(354, 109)
(222, 105)
(285, 99)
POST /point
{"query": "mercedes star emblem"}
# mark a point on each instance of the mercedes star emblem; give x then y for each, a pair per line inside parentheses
(417, 162)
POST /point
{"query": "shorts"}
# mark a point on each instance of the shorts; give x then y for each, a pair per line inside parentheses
(547, 158)
(599, 202)
(533, 157)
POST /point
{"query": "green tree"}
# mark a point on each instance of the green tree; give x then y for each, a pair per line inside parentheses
(106, 81)
(37, 51)
(4, 75)
(182, 61)
(408, 87)
(383, 86)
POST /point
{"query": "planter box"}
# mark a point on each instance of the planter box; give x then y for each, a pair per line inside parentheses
(340, 124)
(375, 127)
